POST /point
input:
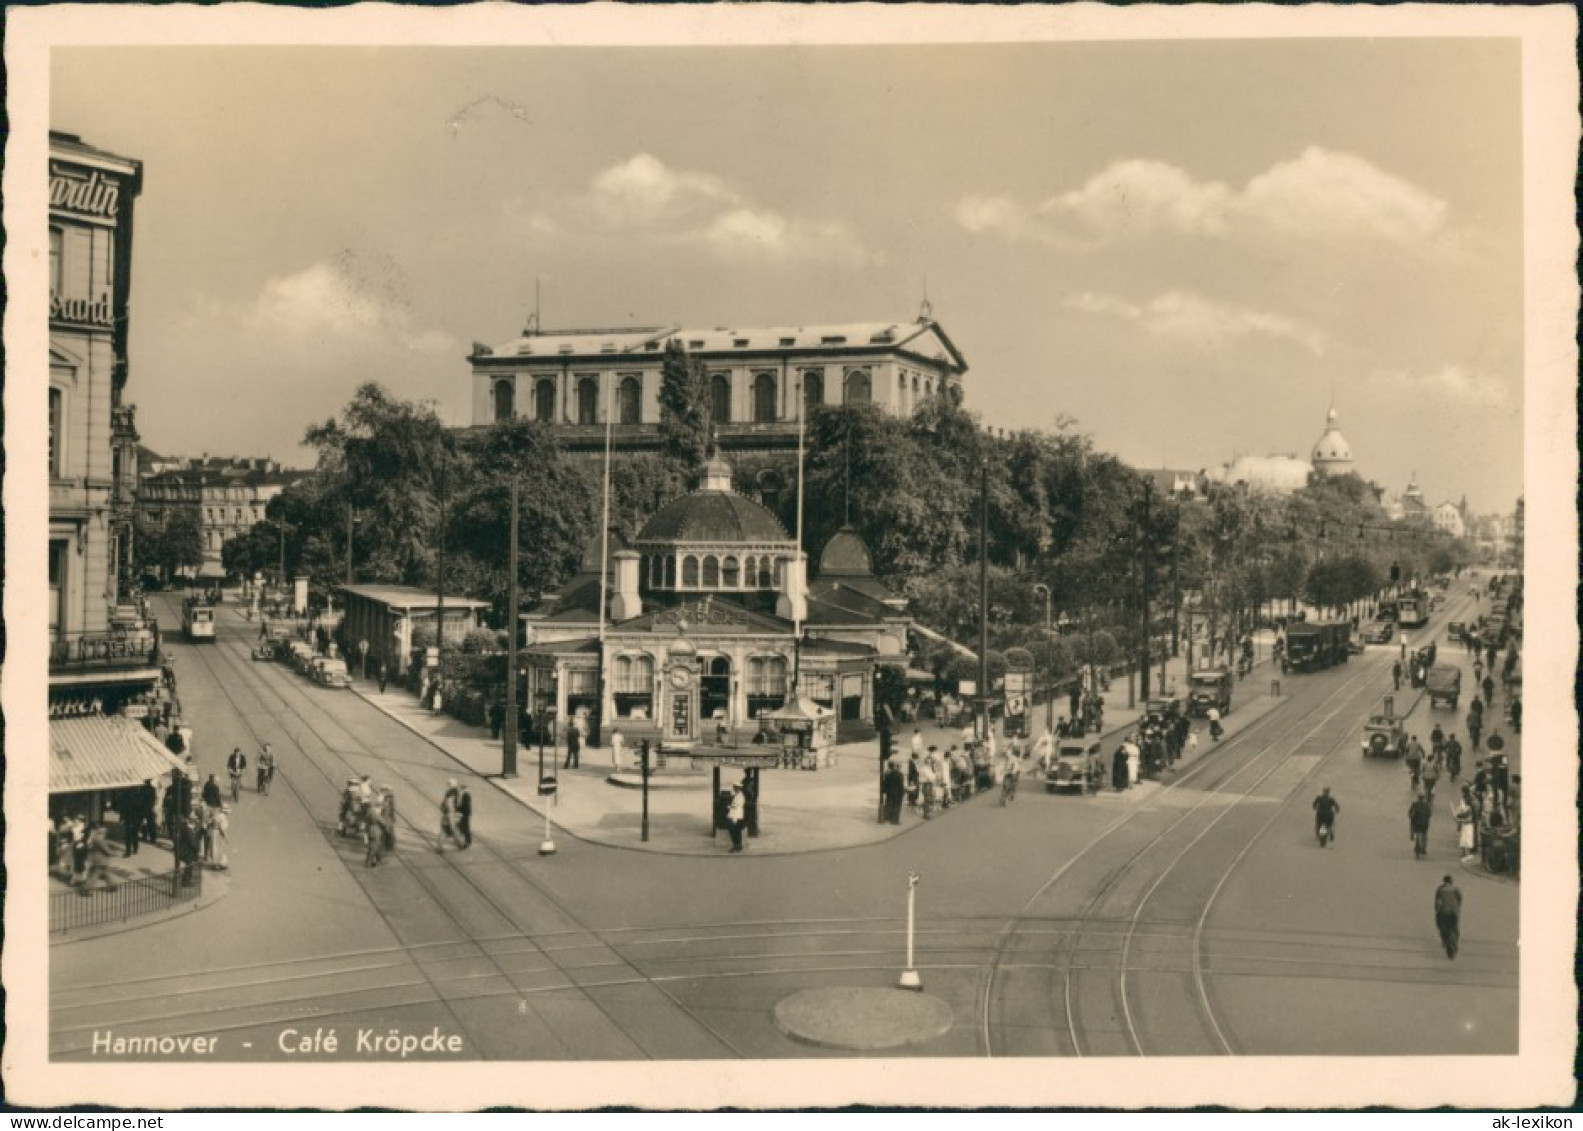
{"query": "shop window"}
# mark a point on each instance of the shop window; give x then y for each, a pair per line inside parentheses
(720, 398)
(630, 401)
(505, 400)
(587, 401)
(544, 401)
(764, 398)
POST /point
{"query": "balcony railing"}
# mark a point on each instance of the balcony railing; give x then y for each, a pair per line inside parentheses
(113, 649)
(130, 899)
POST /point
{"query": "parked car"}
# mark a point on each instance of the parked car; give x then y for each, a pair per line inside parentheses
(1456, 630)
(1209, 688)
(301, 656)
(1384, 737)
(1379, 632)
(1444, 684)
(330, 673)
(1076, 764)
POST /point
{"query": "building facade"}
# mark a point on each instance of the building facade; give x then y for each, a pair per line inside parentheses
(91, 193)
(228, 494)
(709, 620)
(759, 381)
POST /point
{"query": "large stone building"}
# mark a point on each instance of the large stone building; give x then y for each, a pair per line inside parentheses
(708, 615)
(576, 379)
(227, 493)
(91, 430)
(1284, 473)
(103, 658)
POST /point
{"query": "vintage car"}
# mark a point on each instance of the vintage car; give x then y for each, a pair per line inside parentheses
(1384, 737)
(1209, 688)
(1076, 764)
(1444, 684)
(300, 655)
(330, 673)
(1456, 630)
(1162, 711)
(1378, 632)
(271, 643)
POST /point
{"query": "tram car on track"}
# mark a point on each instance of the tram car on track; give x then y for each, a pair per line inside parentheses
(1412, 609)
(197, 619)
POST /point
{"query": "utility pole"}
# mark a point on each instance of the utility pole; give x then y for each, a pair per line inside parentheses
(1146, 555)
(983, 599)
(349, 541)
(508, 754)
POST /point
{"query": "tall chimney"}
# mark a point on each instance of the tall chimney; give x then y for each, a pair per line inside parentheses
(626, 603)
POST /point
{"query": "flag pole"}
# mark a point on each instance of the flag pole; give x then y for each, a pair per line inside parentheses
(604, 570)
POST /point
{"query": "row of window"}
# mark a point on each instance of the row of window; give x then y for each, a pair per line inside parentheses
(856, 388)
(766, 675)
(710, 571)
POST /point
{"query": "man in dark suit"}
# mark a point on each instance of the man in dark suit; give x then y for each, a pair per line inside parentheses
(464, 816)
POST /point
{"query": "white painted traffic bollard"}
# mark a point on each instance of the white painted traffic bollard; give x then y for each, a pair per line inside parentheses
(909, 976)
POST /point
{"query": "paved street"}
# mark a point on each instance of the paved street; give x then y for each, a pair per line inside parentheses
(1196, 916)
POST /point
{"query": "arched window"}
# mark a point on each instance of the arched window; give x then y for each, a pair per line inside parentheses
(767, 574)
(689, 572)
(587, 401)
(750, 576)
(711, 572)
(857, 390)
(57, 429)
(720, 398)
(812, 390)
(901, 393)
(780, 571)
(729, 577)
(544, 400)
(629, 401)
(57, 244)
(764, 398)
(670, 572)
(505, 399)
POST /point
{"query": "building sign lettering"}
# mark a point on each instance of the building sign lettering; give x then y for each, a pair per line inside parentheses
(90, 311)
(91, 195)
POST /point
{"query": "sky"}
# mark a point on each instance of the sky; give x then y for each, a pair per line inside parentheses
(1193, 248)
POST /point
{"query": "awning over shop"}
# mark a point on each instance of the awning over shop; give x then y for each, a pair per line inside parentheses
(104, 752)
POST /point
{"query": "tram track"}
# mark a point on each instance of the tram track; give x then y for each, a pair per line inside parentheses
(1068, 985)
(448, 901)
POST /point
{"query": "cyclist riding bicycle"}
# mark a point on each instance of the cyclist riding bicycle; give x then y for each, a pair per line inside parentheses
(1325, 810)
(266, 769)
(1010, 769)
(235, 765)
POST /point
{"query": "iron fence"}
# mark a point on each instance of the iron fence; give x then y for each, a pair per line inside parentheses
(122, 900)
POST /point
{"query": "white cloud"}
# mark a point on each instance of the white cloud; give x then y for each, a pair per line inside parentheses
(1320, 193)
(1187, 316)
(357, 299)
(643, 198)
(1457, 383)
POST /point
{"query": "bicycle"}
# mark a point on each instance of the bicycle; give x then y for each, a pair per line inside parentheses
(236, 786)
(1008, 788)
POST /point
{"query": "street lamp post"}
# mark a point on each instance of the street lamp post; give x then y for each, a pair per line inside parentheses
(508, 753)
(1049, 667)
(983, 600)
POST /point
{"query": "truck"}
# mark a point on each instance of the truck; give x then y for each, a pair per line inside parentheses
(1444, 684)
(1312, 645)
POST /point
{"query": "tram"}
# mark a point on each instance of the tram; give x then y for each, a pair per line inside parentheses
(197, 619)
(1412, 609)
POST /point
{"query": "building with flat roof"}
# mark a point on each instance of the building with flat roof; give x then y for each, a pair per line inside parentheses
(228, 494)
(576, 380)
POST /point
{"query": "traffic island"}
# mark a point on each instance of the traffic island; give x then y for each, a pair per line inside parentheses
(862, 1018)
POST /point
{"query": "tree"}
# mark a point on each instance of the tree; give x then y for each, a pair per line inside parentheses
(391, 460)
(180, 545)
(684, 406)
(255, 550)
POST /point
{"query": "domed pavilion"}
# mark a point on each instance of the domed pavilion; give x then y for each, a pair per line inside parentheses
(1332, 454)
(703, 614)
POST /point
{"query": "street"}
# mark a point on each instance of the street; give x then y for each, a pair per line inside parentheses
(1196, 916)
